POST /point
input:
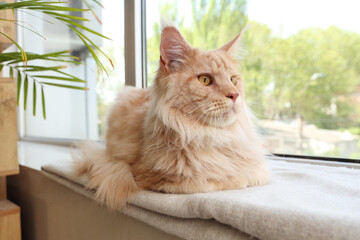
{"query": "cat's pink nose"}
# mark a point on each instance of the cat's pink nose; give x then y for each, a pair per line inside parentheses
(233, 96)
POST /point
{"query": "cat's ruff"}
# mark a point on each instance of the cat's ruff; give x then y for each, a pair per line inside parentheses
(180, 135)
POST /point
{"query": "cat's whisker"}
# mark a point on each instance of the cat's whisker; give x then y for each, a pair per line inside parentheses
(180, 136)
(175, 116)
(206, 112)
(193, 110)
(203, 122)
(207, 131)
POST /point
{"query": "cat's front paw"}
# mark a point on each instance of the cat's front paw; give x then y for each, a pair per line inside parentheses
(260, 176)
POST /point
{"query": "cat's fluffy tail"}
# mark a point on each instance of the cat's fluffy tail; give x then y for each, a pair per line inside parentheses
(113, 180)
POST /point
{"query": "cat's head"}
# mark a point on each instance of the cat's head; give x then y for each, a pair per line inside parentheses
(205, 87)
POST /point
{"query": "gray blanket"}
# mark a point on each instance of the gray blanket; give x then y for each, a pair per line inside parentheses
(303, 201)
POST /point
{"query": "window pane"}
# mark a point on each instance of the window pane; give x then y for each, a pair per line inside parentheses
(301, 67)
(109, 85)
(74, 114)
(65, 109)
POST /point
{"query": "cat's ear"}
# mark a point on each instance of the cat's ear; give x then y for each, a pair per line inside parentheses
(173, 49)
(233, 47)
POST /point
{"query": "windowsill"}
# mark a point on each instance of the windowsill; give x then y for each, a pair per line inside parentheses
(317, 162)
(299, 194)
(35, 155)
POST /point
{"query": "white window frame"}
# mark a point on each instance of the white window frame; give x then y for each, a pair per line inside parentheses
(135, 43)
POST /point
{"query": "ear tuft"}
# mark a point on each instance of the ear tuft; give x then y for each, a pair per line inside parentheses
(173, 48)
(166, 22)
(234, 47)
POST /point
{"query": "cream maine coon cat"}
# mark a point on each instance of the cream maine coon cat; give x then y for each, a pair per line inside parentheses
(190, 132)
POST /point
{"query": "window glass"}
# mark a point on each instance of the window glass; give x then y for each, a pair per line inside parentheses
(300, 65)
(74, 114)
(109, 84)
(65, 108)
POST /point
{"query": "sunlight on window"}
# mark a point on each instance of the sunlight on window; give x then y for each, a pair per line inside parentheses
(109, 85)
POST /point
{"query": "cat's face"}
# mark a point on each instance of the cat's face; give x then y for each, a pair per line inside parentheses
(204, 86)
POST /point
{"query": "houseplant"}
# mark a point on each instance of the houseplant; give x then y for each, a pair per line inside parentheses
(20, 63)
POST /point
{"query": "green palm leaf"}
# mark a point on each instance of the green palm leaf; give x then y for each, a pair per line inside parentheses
(26, 83)
(71, 79)
(23, 54)
(65, 86)
(18, 88)
(43, 102)
(34, 98)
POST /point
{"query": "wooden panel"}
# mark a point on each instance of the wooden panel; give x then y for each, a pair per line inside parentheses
(8, 127)
(9, 221)
(7, 208)
(10, 227)
(6, 27)
(2, 188)
(9, 212)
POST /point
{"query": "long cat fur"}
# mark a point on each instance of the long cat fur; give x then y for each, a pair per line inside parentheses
(178, 136)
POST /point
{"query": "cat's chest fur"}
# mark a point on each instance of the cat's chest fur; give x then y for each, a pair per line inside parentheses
(206, 160)
(172, 155)
(202, 151)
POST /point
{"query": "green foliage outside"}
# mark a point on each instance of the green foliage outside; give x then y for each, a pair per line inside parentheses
(276, 70)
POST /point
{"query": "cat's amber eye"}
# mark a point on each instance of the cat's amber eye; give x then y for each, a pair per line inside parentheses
(233, 80)
(204, 79)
